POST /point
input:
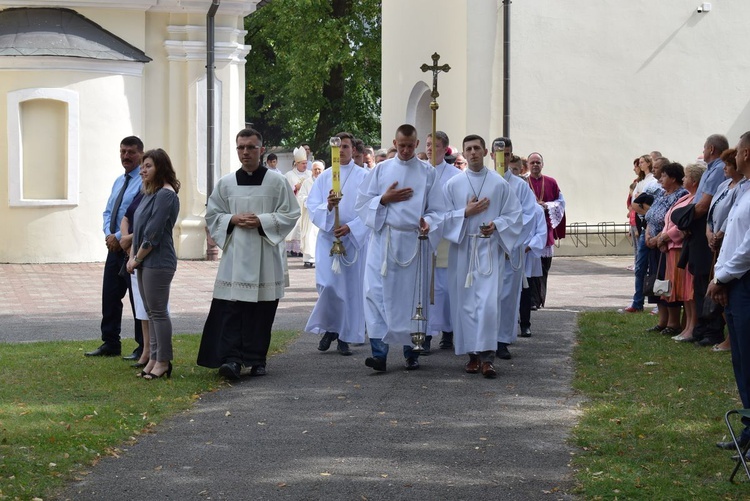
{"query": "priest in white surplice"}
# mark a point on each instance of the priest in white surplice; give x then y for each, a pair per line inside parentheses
(308, 232)
(339, 312)
(483, 224)
(296, 177)
(397, 200)
(249, 213)
(438, 312)
(510, 297)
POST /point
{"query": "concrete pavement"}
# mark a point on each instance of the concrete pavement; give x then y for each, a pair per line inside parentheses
(323, 426)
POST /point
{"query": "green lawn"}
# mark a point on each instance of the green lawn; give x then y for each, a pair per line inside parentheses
(653, 410)
(61, 412)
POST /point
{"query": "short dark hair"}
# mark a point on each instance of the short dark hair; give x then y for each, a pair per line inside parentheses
(506, 140)
(406, 130)
(729, 157)
(271, 156)
(358, 145)
(745, 138)
(442, 136)
(674, 170)
(248, 132)
(514, 159)
(133, 141)
(473, 137)
(346, 135)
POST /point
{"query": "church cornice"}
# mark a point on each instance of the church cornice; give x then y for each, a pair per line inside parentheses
(227, 7)
(55, 63)
(196, 51)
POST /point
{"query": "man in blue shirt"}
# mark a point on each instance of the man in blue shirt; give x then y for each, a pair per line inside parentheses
(708, 331)
(115, 285)
(731, 286)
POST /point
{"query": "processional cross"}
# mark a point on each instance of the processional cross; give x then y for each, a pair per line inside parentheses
(436, 69)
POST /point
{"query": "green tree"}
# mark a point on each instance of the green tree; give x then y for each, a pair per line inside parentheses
(314, 70)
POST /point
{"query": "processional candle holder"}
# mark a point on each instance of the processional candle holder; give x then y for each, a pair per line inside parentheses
(419, 321)
(338, 246)
(498, 149)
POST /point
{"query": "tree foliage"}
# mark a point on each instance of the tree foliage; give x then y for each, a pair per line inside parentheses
(314, 70)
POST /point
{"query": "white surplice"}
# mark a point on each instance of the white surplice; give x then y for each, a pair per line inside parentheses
(340, 305)
(391, 284)
(536, 242)
(251, 268)
(475, 264)
(295, 178)
(308, 232)
(439, 312)
(510, 296)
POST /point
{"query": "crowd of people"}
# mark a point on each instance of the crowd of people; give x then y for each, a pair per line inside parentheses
(692, 251)
(411, 237)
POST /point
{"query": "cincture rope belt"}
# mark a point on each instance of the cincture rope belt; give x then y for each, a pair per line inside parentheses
(387, 251)
(474, 261)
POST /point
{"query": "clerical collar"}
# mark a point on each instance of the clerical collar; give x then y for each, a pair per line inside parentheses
(254, 178)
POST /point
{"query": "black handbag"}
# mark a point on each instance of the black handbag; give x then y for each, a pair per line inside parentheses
(711, 309)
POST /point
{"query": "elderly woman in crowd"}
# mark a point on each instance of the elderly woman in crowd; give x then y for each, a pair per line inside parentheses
(670, 243)
(716, 224)
(671, 182)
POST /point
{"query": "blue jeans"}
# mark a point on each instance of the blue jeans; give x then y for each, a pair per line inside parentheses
(380, 349)
(737, 314)
(641, 267)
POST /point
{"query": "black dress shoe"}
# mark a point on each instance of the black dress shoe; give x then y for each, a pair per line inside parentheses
(343, 348)
(258, 370)
(426, 346)
(104, 351)
(525, 332)
(326, 340)
(230, 370)
(709, 341)
(502, 351)
(446, 341)
(139, 365)
(412, 364)
(375, 363)
(133, 356)
(729, 445)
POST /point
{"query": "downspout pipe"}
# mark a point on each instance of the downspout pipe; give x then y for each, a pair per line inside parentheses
(506, 68)
(212, 251)
(210, 89)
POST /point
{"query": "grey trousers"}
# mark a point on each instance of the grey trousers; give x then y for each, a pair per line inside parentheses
(154, 284)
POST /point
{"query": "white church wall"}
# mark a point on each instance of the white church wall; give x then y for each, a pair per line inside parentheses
(73, 232)
(593, 84)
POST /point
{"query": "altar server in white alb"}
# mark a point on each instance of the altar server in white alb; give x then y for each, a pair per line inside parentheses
(249, 213)
(535, 244)
(510, 296)
(339, 311)
(296, 177)
(439, 314)
(397, 201)
(483, 224)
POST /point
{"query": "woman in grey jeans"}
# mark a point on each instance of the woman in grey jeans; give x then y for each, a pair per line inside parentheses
(153, 253)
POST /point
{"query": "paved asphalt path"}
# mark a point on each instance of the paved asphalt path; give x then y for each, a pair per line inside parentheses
(324, 427)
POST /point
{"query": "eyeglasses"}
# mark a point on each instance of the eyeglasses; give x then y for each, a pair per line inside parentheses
(249, 147)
